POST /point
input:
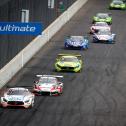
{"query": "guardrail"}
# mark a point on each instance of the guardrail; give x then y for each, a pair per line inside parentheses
(9, 70)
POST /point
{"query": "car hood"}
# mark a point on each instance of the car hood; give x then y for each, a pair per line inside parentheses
(15, 97)
(100, 27)
(68, 64)
(103, 37)
(45, 85)
(77, 42)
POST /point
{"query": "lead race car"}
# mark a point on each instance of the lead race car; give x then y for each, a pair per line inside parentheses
(117, 4)
(17, 96)
(48, 84)
(99, 25)
(104, 36)
(68, 62)
(80, 42)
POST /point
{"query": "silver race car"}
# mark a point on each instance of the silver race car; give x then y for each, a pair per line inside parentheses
(48, 84)
(104, 36)
(17, 96)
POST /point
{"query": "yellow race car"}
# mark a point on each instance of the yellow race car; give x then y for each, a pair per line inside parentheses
(68, 62)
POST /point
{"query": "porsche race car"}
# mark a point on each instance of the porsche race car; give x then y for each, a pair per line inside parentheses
(80, 42)
(17, 96)
(48, 84)
(103, 17)
(117, 4)
(68, 62)
(99, 25)
(104, 36)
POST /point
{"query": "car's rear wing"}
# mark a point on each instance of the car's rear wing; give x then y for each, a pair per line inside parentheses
(69, 55)
(57, 76)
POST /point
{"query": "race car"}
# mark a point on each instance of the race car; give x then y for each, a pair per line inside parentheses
(17, 96)
(68, 62)
(117, 4)
(80, 42)
(103, 17)
(48, 84)
(99, 25)
(104, 36)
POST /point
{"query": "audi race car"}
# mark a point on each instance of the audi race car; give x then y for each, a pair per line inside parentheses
(104, 36)
(117, 4)
(80, 42)
(68, 62)
(48, 84)
(103, 17)
(99, 25)
(17, 96)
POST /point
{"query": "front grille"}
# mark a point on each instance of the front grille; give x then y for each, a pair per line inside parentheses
(67, 68)
(45, 93)
(15, 102)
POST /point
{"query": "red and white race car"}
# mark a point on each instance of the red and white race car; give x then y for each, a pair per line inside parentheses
(48, 85)
(98, 26)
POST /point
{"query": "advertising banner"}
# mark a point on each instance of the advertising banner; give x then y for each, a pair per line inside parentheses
(20, 28)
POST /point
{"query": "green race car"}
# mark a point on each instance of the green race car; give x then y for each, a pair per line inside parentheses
(117, 4)
(68, 62)
(103, 17)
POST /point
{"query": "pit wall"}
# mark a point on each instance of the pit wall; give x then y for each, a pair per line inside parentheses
(17, 63)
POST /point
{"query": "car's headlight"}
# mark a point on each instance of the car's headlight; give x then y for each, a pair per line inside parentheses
(4, 99)
(96, 18)
(122, 5)
(58, 65)
(27, 100)
(77, 66)
(112, 5)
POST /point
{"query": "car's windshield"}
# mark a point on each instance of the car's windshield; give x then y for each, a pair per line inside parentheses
(69, 59)
(101, 15)
(78, 38)
(118, 2)
(16, 92)
(48, 80)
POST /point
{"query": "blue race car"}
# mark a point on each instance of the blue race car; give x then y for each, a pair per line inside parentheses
(80, 42)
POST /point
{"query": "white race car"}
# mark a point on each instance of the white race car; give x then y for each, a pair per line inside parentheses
(104, 36)
(17, 96)
(48, 84)
(98, 26)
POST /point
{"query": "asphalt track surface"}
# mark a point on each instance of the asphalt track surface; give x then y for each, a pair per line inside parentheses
(94, 97)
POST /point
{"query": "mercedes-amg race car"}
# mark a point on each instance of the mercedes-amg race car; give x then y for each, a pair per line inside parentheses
(17, 96)
(99, 25)
(80, 42)
(68, 62)
(103, 17)
(104, 36)
(48, 85)
(117, 4)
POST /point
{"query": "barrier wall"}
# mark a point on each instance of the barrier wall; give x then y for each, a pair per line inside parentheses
(7, 72)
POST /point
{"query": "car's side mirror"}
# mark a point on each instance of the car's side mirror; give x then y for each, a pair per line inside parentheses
(113, 34)
(60, 83)
(35, 82)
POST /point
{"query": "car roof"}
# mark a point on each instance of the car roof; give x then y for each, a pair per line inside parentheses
(79, 37)
(48, 77)
(70, 56)
(102, 14)
(18, 88)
